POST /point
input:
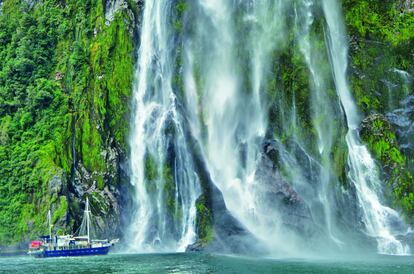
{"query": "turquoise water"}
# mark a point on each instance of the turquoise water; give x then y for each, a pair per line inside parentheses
(201, 263)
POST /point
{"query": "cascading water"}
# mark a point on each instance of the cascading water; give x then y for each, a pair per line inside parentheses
(229, 54)
(240, 39)
(162, 169)
(363, 172)
(323, 114)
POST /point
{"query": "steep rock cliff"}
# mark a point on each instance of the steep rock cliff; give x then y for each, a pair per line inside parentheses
(65, 82)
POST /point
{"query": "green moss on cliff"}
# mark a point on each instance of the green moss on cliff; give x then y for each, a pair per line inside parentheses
(381, 140)
(381, 43)
(169, 189)
(374, 26)
(61, 210)
(382, 20)
(204, 221)
(65, 77)
(305, 109)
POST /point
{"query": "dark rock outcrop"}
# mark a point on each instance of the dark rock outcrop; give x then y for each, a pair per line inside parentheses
(294, 212)
(220, 231)
(229, 235)
(402, 120)
(107, 202)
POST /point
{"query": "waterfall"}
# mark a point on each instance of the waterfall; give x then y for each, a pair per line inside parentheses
(240, 39)
(162, 168)
(363, 172)
(323, 114)
(227, 60)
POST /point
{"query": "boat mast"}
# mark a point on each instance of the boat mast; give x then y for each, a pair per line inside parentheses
(87, 212)
(49, 220)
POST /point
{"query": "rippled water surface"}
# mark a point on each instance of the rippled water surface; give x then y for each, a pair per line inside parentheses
(202, 263)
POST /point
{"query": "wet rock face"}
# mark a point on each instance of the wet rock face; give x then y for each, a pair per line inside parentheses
(293, 211)
(228, 234)
(57, 191)
(114, 6)
(218, 230)
(57, 184)
(408, 239)
(406, 5)
(106, 202)
(402, 120)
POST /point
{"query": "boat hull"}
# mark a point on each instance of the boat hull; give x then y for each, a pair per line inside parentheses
(74, 252)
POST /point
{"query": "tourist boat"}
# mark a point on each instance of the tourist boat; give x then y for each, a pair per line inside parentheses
(69, 245)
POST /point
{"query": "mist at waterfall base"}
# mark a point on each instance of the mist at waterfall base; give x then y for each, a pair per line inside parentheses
(208, 91)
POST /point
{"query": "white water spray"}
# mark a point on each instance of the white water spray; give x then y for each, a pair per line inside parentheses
(162, 169)
(228, 57)
(241, 40)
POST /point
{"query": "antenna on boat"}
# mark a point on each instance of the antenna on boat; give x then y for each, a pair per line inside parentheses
(87, 212)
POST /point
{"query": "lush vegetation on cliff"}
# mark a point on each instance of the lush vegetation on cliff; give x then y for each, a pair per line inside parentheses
(381, 62)
(65, 80)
